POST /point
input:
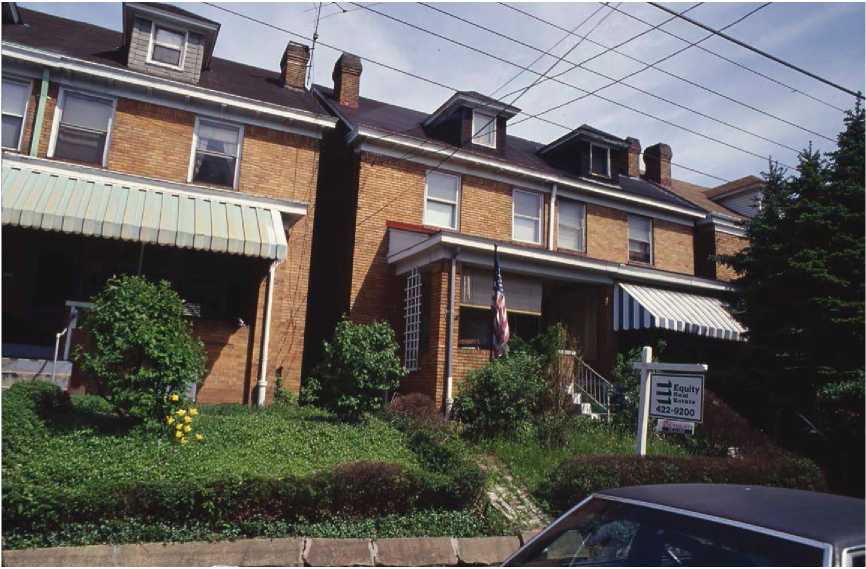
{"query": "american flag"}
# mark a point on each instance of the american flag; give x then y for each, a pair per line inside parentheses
(501, 333)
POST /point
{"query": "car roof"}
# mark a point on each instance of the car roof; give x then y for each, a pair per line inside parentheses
(828, 518)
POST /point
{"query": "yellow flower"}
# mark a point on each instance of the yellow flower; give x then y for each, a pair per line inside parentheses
(183, 441)
(179, 426)
(174, 397)
(199, 437)
(187, 429)
(181, 412)
(169, 419)
(193, 411)
(178, 434)
(187, 419)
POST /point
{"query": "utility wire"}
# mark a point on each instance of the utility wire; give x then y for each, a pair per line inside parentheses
(769, 56)
(613, 80)
(313, 47)
(736, 63)
(567, 84)
(414, 76)
(670, 73)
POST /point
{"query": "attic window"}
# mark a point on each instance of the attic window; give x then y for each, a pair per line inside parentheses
(599, 160)
(484, 129)
(166, 46)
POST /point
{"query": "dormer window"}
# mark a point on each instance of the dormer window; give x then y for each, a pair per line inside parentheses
(484, 129)
(599, 160)
(167, 46)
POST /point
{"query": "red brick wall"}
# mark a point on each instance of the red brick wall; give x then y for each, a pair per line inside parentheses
(727, 244)
(606, 234)
(673, 247)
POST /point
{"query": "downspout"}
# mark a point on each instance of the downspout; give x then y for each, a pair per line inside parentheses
(40, 114)
(552, 219)
(449, 333)
(262, 384)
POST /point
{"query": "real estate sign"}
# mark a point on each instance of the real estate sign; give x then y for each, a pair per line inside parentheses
(677, 396)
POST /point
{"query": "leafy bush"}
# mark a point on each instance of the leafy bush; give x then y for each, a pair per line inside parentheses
(416, 411)
(501, 396)
(142, 346)
(578, 477)
(360, 366)
(24, 405)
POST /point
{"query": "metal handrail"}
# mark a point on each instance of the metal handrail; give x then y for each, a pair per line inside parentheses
(57, 350)
(594, 385)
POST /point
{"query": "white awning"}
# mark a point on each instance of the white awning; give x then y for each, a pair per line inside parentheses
(639, 307)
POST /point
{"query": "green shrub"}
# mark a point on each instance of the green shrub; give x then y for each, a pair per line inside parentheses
(24, 406)
(142, 346)
(578, 477)
(497, 398)
(359, 367)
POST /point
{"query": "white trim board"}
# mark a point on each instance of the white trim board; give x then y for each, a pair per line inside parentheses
(151, 83)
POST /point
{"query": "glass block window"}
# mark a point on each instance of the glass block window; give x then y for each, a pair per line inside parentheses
(412, 317)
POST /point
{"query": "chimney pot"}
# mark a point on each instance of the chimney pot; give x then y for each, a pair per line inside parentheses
(293, 65)
(347, 79)
(658, 164)
(633, 166)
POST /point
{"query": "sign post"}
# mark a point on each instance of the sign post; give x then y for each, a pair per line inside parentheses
(667, 391)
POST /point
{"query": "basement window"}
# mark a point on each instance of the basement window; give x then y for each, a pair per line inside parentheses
(166, 46)
(15, 97)
(216, 153)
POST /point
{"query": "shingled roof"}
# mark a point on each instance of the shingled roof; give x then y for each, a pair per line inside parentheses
(734, 186)
(101, 45)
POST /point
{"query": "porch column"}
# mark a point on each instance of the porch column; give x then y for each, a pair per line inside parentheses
(262, 384)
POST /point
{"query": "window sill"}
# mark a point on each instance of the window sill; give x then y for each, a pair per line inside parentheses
(640, 264)
(571, 252)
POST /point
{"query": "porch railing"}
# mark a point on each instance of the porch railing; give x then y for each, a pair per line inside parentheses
(593, 385)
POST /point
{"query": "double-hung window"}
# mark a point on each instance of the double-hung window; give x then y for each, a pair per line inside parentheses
(599, 160)
(216, 153)
(526, 209)
(166, 46)
(640, 239)
(571, 227)
(15, 97)
(83, 128)
(484, 129)
(443, 195)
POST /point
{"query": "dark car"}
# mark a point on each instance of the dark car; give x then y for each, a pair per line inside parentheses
(702, 524)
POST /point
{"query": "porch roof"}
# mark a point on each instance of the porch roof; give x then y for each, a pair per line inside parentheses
(41, 194)
(637, 307)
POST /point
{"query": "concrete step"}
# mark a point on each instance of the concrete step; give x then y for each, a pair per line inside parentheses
(15, 370)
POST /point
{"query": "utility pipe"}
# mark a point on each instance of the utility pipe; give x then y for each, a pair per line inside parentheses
(262, 384)
(40, 114)
(552, 218)
(449, 332)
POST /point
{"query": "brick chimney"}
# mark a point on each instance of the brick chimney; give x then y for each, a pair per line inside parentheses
(633, 169)
(293, 65)
(658, 164)
(347, 79)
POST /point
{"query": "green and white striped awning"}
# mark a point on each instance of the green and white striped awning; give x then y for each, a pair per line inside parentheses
(39, 194)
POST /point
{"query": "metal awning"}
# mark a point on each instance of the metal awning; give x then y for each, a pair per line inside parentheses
(639, 307)
(39, 194)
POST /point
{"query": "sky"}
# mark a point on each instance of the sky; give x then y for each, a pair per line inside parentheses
(826, 39)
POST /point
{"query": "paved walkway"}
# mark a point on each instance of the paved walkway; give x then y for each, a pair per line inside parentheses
(510, 498)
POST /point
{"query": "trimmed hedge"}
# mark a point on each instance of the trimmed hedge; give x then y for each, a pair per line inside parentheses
(578, 477)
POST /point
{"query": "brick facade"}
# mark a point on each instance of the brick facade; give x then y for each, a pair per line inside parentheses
(727, 244)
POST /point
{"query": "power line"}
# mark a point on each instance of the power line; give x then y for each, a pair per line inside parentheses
(736, 63)
(313, 47)
(672, 74)
(613, 80)
(602, 97)
(770, 56)
(415, 76)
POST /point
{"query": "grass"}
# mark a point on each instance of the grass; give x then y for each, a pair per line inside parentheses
(531, 463)
(86, 447)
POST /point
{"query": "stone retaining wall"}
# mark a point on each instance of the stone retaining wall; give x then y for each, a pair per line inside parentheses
(291, 551)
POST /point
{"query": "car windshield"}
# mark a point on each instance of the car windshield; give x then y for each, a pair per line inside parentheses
(607, 532)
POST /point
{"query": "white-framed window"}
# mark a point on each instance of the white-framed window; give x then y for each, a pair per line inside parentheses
(216, 153)
(412, 320)
(442, 199)
(599, 160)
(571, 225)
(526, 212)
(640, 239)
(167, 46)
(484, 129)
(82, 127)
(16, 95)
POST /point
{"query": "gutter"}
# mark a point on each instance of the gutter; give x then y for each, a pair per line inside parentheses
(262, 384)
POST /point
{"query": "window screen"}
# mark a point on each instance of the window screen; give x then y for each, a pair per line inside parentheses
(640, 239)
(572, 221)
(15, 96)
(83, 130)
(167, 46)
(443, 192)
(216, 153)
(484, 129)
